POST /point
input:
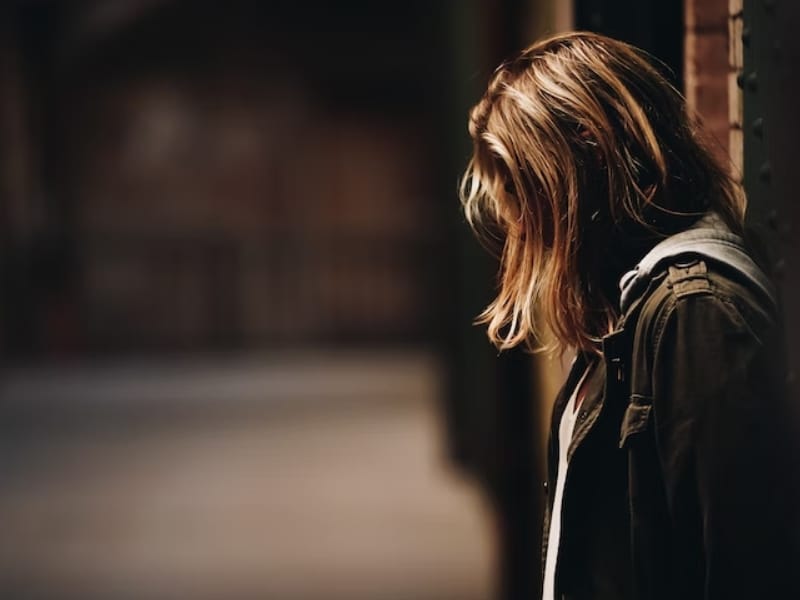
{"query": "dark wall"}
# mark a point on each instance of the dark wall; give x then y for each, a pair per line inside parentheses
(771, 131)
(655, 26)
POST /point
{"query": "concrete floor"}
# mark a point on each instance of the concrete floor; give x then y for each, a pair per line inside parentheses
(309, 477)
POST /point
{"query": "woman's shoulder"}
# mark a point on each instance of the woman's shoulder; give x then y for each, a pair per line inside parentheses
(707, 294)
(704, 320)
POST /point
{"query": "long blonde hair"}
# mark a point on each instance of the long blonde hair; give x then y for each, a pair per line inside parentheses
(580, 143)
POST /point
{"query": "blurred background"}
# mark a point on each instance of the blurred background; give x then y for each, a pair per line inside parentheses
(236, 291)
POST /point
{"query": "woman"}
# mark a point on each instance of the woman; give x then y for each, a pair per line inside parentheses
(672, 463)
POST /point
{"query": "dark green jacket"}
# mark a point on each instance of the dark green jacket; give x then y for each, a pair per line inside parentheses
(684, 463)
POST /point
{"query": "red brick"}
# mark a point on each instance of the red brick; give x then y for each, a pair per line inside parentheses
(707, 80)
(706, 14)
(710, 52)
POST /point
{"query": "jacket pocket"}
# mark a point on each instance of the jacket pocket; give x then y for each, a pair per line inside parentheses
(635, 420)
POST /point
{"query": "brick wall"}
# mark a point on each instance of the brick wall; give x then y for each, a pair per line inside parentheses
(713, 58)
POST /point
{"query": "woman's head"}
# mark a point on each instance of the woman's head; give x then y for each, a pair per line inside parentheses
(583, 156)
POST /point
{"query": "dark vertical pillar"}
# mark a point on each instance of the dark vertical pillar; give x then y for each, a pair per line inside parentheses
(39, 264)
(490, 406)
(771, 128)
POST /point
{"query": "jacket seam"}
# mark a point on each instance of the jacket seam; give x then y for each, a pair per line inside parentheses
(665, 312)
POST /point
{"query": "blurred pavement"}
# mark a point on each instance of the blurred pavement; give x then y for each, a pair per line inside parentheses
(302, 477)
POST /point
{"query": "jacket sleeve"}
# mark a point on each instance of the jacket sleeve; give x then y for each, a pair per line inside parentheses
(726, 436)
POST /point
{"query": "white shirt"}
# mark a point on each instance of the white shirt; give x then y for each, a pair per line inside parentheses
(565, 429)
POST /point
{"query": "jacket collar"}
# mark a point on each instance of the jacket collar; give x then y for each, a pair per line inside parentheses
(709, 238)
